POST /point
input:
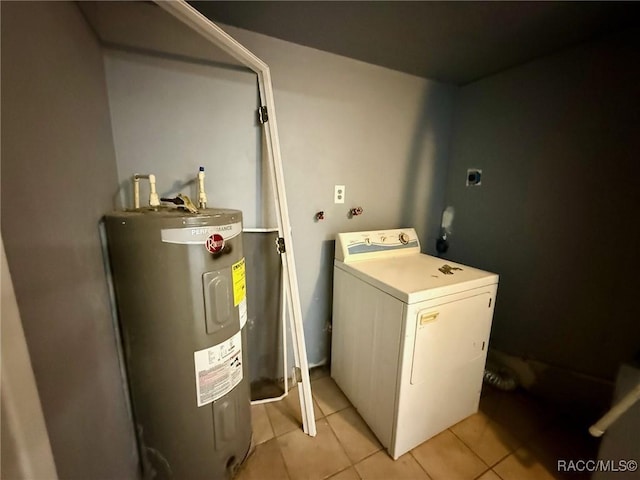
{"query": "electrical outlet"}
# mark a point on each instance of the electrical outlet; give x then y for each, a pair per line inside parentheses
(338, 195)
(474, 177)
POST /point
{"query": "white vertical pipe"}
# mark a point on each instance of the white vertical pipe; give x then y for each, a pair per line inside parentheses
(598, 429)
(154, 199)
(136, 191)
(202, 195)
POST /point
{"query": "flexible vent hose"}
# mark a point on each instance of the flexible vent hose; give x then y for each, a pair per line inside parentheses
(501, 378)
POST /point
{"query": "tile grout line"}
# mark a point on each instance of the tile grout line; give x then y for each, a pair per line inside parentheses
(410, 452)
(473, 451)
(496, 473)
(276, 435)
(340, 471)
(275, 438)
(326, 417)
(487, 470)
(351, 464)
(284, 462)
(350, 405)
(273, 430)
(518, 443)
(369, 456)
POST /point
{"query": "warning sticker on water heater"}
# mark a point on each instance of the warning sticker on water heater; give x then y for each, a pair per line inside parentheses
(239, 282)
(218, 369)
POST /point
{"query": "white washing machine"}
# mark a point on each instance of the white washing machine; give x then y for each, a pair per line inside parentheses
(410, 335)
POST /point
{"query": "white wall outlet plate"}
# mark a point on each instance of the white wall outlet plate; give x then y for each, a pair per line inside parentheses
(338, 195)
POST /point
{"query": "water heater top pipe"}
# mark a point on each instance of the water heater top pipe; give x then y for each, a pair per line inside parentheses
(202, 195)
(136, 191)
(154, 199)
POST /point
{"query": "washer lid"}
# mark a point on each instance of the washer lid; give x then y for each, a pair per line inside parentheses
(418, 277)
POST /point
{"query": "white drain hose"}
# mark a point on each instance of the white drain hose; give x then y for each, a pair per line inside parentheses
(615, 412)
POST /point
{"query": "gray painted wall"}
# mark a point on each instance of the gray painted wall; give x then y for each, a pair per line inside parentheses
(169, 117)
(557, 140)
(383, 134)
(620, 441)
(58, 176)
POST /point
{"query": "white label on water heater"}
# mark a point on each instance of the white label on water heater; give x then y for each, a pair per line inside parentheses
(199, 235)
(218, 369)
(242, 307)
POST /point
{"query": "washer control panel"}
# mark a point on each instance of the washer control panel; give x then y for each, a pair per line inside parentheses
(354, 246)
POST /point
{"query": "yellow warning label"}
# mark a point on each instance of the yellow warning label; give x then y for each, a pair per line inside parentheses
(239, 282)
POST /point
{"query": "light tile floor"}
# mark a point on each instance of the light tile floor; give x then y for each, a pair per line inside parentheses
(512, 437)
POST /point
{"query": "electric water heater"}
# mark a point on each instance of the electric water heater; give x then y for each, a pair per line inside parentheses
(180, 287)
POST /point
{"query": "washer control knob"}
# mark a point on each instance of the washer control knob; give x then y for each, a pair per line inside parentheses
(404, 238)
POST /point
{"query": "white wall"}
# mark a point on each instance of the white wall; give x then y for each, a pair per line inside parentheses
(58, 177)
(558, 143)
(383, 134)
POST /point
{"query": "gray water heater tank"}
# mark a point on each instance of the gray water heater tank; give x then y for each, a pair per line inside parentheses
(180, 288)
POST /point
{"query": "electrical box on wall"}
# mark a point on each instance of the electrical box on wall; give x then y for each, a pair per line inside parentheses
(474, 177)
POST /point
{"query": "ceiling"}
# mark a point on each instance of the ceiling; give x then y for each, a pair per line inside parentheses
(455, 42)
(144, 27)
